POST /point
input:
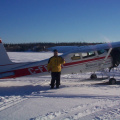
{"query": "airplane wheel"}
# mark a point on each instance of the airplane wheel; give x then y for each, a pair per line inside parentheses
(93, 76)
(112, 81)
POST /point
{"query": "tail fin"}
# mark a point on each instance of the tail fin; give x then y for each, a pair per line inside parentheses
(4, 59)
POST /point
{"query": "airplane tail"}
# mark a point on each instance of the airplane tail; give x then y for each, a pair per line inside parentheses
(4, 59)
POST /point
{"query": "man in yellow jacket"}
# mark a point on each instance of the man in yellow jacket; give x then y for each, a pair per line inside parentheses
(54, 66)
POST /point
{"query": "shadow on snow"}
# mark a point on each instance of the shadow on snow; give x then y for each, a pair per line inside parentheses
(29, 89)
(21, 90)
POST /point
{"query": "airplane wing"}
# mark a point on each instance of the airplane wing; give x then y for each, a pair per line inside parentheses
(76, 49)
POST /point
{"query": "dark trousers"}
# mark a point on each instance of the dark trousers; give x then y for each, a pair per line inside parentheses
(55, 77)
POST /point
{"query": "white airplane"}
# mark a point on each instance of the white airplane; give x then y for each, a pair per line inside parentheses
(78, 60)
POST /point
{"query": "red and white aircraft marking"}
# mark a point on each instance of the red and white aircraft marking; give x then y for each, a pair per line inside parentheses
(78, 59)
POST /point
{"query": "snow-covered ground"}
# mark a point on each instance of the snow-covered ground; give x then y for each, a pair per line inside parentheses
(79, 98)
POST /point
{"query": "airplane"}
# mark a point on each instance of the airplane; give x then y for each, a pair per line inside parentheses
(79, 59)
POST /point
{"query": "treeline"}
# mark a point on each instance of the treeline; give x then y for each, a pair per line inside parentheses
(37, 47)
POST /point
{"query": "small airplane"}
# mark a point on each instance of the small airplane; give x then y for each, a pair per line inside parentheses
(78, 59)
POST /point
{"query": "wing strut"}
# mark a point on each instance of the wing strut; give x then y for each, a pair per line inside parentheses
(106, 58)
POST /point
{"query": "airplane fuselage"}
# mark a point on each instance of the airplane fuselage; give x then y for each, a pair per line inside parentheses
(75, 63)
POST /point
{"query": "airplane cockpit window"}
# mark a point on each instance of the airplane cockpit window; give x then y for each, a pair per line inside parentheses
(101, 51)
(88, 54)
(76, 56)
(91, 53)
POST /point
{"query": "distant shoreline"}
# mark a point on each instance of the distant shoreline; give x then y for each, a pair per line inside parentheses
(38, 47)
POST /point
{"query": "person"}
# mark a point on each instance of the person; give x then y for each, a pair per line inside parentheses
(54, 66)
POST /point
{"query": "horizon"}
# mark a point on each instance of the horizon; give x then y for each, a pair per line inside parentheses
(53, 42)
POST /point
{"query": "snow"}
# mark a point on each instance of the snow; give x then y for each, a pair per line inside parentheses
(78, 98)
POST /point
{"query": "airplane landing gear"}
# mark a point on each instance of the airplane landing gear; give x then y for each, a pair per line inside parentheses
(112, 81)
(93, 76)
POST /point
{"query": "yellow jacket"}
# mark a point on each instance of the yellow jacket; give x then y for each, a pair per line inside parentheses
(54, 64)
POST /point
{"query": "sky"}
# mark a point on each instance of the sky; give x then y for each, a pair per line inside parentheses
(24, 21)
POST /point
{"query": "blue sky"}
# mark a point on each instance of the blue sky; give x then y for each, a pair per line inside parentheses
(23, 21)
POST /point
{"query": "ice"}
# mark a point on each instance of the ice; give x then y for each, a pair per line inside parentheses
(79, 98)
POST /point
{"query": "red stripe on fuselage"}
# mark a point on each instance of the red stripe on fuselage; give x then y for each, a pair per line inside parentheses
(78, 62)
(43, 68)
(30, 71)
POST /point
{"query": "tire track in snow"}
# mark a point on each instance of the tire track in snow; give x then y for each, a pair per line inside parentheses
(10, 101)
(111, 114)
(93, 109)
(78, 112)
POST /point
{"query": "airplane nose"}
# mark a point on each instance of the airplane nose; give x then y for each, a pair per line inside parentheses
(115, 54)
